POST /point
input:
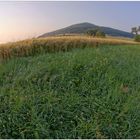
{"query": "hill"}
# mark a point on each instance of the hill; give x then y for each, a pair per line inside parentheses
(83, 27)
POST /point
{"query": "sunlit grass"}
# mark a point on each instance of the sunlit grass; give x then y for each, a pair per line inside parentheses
(54, 44)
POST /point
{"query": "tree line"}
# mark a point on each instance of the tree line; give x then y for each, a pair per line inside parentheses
(95, 33)
(135, 31)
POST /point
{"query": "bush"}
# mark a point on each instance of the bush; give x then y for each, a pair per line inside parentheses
(137, 38)
(100, 34)
(92, 32)
(96, 33)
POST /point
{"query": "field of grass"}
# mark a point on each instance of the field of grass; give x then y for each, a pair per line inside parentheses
(54, 44)
(83, 93)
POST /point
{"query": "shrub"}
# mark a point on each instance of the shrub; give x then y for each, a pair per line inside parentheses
(100, 34)
(92, 32)
(137, 38)
(95, 32)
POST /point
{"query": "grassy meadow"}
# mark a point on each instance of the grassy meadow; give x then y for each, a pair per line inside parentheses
(91, 91)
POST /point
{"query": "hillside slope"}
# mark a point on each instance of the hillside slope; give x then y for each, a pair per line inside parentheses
(83, 27)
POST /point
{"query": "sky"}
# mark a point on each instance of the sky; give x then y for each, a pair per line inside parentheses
(21, 20)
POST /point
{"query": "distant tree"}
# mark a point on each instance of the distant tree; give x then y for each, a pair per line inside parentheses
(92, 32)
(95, 32)
(136, 31)
(100, 34)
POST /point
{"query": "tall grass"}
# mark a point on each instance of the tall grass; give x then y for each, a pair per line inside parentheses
(54, 44)
(85, 93)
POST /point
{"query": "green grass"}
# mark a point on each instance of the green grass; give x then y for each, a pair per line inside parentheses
(84, 93)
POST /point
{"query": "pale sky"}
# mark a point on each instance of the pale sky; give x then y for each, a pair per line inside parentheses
(20, 20)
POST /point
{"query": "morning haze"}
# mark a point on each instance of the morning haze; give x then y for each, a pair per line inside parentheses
(20, 20)
(77, 76)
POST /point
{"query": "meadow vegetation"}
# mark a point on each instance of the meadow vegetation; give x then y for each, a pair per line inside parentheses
(55, 44)
(88, 92)
(137, 38)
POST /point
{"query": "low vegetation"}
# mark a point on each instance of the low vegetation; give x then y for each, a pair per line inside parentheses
(54, 44)
(95, 33)
(91, 32)
(137, 38)
(84, 93)
(100, 34)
